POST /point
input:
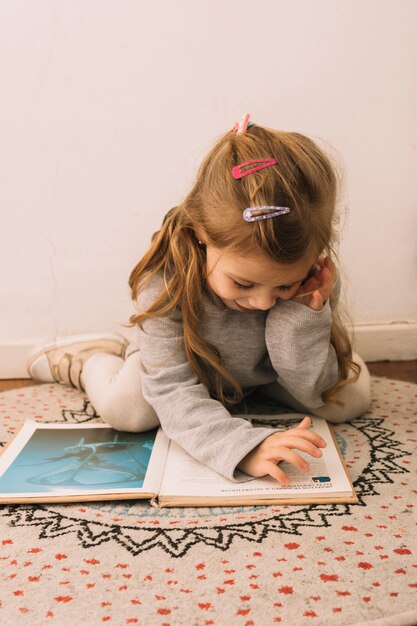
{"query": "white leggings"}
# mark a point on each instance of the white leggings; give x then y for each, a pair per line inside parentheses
(355, 398)
(114, 388)
(115, 391)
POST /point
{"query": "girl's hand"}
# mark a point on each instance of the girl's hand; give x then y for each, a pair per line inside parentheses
(263, 459)
(318, 288)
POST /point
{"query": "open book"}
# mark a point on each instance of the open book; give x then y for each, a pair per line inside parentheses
(82, 462)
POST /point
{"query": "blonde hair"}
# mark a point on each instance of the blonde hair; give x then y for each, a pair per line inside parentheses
(304, 179)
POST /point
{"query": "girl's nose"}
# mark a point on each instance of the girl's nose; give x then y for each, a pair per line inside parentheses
(263, 302)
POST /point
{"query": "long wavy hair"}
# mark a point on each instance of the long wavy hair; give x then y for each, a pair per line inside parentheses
(304, 179)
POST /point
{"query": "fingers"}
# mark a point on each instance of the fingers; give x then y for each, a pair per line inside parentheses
(305, 423)
(315, 291)
(309, 286)
(268, 468)
(285, 454)
(317, 301)
(291, 457)
(328, 272)
(296, 435)
(331, 266)
(283, 446)
(295, 443)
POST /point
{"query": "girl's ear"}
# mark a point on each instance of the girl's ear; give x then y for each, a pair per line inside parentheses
(200, 236)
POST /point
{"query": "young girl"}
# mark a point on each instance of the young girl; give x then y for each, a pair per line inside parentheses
(238, 291)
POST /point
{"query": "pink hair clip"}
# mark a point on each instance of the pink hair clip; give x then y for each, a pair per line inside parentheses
(256, 213)
(237, 170)
(240, 127)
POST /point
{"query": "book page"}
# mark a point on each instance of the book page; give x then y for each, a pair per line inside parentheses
(186, 477)
(79, 460)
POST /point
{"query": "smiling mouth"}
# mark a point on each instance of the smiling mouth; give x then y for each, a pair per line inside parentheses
(244, 309)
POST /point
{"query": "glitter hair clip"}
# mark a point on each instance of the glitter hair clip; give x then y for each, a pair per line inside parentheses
(237, 170)
(256, 213)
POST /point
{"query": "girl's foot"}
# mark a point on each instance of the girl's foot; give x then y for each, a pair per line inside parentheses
(62, 361)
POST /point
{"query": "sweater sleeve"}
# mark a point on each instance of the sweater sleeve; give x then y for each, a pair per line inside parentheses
(188, 415)
(298, 343)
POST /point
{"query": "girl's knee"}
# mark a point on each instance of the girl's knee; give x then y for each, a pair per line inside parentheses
(137, 417)
(346, 411)
(352, 403)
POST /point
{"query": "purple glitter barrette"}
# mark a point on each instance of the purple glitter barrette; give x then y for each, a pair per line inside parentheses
(256, 213)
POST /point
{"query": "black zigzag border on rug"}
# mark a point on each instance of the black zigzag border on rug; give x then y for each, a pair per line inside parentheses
(385, 452)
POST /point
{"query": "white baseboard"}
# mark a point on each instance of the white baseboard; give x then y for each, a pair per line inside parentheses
(391, 342)
(13, 357)
(374, 342)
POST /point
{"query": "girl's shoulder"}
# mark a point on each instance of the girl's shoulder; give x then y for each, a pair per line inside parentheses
(154, 294)
(150, 291)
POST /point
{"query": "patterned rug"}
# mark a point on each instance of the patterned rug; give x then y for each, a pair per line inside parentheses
(125, 562)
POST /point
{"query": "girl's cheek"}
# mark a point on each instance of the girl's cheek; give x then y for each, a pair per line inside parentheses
(287, 295)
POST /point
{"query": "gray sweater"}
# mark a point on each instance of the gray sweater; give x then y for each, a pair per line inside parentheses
(290, 344)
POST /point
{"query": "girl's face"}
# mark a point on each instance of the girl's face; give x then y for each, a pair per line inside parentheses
(252, 283)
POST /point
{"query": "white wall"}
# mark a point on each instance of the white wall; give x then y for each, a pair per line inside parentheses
(107, 107)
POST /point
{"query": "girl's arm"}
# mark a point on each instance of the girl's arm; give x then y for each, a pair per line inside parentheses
(298, 341)
(188, 415)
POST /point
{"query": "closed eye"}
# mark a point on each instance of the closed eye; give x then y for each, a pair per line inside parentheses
(243, 287)
(247, 287)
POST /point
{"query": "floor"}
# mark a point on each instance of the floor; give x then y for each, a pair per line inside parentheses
(397, 370)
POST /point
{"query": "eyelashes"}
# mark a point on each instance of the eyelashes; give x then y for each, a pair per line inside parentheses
(247, 287)
(242, 287)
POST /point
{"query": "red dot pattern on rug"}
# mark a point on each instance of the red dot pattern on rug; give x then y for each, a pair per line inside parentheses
(126, 563)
